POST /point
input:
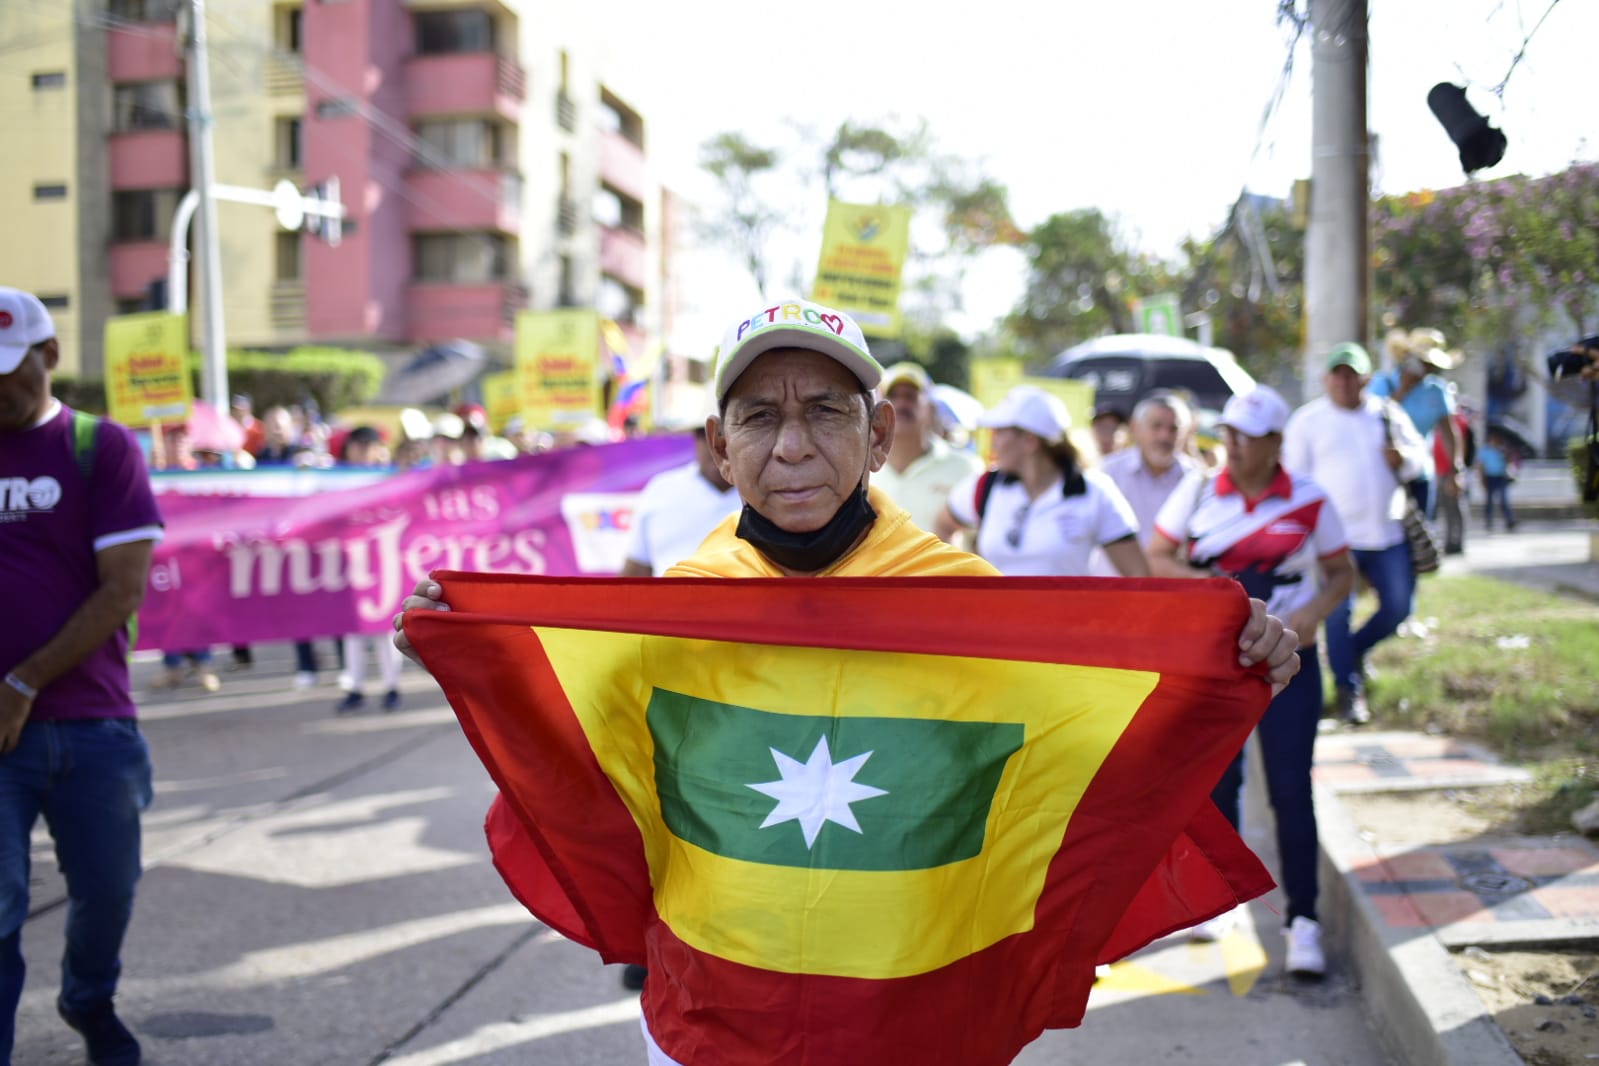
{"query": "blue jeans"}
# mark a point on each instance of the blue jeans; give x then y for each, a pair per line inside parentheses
(1391, 578)
(90, 779)
(1498, 489)
(1287, 748)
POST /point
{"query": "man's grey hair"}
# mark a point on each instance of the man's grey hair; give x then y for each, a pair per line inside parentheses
(1171, 402)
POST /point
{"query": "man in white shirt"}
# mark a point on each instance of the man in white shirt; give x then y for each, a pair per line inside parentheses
(675, 512)
(1151, 470)
(921, 468)
(1361, 449)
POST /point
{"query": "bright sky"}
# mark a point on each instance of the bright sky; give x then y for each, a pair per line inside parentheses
(1146, 109)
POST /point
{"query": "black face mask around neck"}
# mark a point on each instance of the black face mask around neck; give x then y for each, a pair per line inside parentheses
(807, 553)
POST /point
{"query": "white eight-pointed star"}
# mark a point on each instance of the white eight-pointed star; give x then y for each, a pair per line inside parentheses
(816, 791)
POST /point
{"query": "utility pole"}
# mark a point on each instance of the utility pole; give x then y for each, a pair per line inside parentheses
(202, 167)
(1337, 239)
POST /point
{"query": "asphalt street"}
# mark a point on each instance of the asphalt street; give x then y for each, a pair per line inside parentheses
(318, 891)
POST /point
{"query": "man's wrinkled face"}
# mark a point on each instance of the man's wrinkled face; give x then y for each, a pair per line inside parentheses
(1157, 433)
(797, 436)
(1344, 386)
(25, 392)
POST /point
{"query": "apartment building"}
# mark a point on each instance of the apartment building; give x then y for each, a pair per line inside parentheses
(486, 162)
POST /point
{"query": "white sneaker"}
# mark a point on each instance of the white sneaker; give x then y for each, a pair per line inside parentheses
(1208, 932)
(1101, 970)
(305, 679)
(1305, 957)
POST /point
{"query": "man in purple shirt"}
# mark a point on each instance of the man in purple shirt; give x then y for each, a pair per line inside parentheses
(78, 523)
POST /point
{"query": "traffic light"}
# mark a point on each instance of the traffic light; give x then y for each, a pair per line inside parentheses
(1480, 144)
(329, 228)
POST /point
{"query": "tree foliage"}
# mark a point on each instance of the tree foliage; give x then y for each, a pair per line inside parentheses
(747, 218)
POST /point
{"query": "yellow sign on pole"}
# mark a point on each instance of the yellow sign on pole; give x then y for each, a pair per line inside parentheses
(993, 378)
(502, 399)
(864, 247)
(147, 369)
(557, 367)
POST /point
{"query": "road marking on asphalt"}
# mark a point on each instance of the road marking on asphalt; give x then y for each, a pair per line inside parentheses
(500, 1035)
(1243, 959)
(1129, 978)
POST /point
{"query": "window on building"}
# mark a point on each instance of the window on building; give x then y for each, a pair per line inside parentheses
(50, 191)
(288, 29)
(566, 70)
(335, 107)
(461, 143)
(288, 132)
(288, 252)
(617, 117)
(461, 258)
(445, 32)
(618, 301)
(50, 79)
(144, 10)
(143, 214)
(55, 301)
(566, 295)
(618, 210)
(130, 305)
(147, 105)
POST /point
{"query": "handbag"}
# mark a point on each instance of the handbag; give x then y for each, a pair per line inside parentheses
(1424, 554)
(1423, 545)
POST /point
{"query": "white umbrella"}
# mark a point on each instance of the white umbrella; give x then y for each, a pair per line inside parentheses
(957, 407)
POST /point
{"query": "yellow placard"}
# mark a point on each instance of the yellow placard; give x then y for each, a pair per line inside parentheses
(864, 247)
(993, 378)
(146, 369)
(502, 399)
(557, 367)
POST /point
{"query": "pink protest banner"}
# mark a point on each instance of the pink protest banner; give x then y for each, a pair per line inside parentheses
(238, 569)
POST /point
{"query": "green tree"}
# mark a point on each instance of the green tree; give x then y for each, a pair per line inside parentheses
(1249, 278)
(746, 219)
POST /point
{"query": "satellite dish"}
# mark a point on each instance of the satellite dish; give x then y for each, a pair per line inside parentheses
(286, 202)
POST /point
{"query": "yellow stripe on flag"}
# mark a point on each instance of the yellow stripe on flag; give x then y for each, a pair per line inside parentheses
(853, 923)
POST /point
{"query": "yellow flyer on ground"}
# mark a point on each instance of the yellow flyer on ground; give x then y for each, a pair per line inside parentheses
(557, 367)
(864, 247)
(502, 399)
(146, 368)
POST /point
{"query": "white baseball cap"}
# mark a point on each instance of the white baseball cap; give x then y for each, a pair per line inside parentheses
(795, 324)
(1257, 412)
(24, 322)
(1031, 408)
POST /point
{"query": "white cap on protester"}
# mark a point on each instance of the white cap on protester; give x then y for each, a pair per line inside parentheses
(1257, 412)
(1031, 408)
(24, 322)
(795, 324)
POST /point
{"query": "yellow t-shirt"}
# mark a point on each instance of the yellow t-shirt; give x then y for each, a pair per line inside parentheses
(893, 548)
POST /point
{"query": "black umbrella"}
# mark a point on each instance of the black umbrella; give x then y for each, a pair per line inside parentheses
(1515, 435)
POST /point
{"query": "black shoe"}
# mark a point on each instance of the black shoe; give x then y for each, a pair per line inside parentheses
(1352, 707)
(633, 977)
(352, 701)
(391, 700)
(108, 1041)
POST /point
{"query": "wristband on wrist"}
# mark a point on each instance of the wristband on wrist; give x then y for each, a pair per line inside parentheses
(22, 686)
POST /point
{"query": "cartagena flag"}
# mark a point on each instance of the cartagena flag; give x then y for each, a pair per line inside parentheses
(855, 820)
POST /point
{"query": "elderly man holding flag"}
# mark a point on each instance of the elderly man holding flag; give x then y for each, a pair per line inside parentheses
(856, 820)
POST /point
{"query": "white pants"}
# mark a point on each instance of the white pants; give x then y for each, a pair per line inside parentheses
(657, 1057)
(389, 661)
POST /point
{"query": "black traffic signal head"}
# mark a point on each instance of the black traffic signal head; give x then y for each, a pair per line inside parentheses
(1480, 144)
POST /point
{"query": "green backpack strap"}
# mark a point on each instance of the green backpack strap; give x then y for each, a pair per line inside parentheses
(85, 430)
(85, 433)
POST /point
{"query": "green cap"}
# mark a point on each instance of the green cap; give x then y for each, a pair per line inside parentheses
(1351, 355)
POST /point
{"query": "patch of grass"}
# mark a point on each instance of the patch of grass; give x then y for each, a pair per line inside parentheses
(1509, 667)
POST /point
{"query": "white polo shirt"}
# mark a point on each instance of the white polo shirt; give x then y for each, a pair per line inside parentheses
(1272, 545)
(924, 487)
(1052, 536)
(675, 512)
(1342, 450)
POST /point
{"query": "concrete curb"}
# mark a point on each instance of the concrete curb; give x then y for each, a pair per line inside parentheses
(1418, 1000)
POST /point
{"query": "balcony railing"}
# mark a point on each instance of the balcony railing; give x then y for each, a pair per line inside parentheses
(481, 311)
(465, 83)
(566, 216)
(565, 112)
(285, 74)
(475, 199)
(288, 306)
(146, 52)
